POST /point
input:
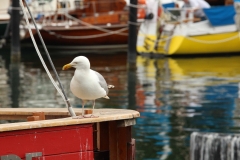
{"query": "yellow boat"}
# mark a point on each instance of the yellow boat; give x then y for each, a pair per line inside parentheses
(205, 44)
(184, 36)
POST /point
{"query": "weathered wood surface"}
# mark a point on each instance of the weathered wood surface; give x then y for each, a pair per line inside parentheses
(22, 113)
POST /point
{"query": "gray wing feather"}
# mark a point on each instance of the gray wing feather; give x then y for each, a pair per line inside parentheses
(102, 82)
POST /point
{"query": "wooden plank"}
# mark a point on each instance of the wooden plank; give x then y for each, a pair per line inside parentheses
(13, 117)
(113, 140)
(33, 118)
(98, 137)
(101, 155)
(49, 141)
(104, 134)
(36, 116)
(95, 135)
(24, 117)
(102, 19)
(126, 122)
(40, 114)
(58, 111)
(124, 137)
(131, 150)
(103, 116)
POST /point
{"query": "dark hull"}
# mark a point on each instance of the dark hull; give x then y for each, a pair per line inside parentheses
(74, 35)
(3, 26)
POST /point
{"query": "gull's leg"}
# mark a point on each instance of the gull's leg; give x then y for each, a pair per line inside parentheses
(92, 116)
(81, 116)
(93, 106)
(83, 103)
(93, 110)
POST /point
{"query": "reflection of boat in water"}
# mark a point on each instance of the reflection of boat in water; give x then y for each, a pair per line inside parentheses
(4, 86)
(87, 22)
(197, 94)
(192, 79)
(222, 67)
(204, 80)
(177, 34)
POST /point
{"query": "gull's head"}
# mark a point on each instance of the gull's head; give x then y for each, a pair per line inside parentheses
(79, 62)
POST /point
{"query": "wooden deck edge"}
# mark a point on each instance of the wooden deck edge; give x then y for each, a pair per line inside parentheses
(104, 115)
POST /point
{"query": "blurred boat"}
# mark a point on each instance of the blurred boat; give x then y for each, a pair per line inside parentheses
(88, 22)
(4, 16)
(172, 33)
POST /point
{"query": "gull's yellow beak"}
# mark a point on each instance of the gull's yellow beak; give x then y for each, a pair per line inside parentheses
(67, 66)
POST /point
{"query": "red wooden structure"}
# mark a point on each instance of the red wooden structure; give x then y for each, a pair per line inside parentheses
(107, 137)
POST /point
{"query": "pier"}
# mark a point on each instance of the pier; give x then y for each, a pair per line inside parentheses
(59, 136)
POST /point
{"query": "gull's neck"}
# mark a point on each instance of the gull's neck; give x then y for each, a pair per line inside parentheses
(82, 71)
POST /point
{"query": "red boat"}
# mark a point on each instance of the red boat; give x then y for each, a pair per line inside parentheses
(88, 22)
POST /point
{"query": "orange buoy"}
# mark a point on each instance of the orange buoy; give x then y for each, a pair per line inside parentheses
(141, 11)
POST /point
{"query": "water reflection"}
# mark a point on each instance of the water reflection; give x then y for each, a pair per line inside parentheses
(36, 90)
(5, 91)
(179, 96)
(175, 96)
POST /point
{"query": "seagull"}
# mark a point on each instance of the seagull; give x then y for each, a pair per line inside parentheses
(87, 84)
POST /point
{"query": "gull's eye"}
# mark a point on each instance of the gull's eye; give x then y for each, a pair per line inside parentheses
(75, 63)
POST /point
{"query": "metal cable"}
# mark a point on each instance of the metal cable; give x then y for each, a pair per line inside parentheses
(72, 113)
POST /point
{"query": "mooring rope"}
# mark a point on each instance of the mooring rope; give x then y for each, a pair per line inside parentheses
(212, 41)
(61, 91)
(86, 37)
(94, 26)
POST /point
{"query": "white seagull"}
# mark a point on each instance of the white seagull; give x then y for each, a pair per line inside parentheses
(86, 83)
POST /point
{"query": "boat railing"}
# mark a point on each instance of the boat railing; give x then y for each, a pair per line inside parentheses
(180, 15)
(48, 12)
(61, 17)
(65, 18)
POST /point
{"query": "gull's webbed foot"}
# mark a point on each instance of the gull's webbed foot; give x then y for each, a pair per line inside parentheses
(78, 117)
(90, 116)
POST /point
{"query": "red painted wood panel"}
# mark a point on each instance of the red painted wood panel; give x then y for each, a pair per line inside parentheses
(49, 141)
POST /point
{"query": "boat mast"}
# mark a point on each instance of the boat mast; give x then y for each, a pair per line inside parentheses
(132, 37)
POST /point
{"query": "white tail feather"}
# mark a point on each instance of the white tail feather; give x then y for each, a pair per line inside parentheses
(110, 86)
(106, 97)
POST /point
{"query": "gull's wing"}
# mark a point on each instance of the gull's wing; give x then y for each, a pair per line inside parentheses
(102, 81)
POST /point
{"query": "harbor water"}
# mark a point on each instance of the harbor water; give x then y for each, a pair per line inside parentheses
(175, 96)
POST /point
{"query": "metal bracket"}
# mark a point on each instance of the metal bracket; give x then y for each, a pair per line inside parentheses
(127, 122)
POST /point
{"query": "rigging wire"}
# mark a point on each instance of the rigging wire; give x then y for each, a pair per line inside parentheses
(60, 90)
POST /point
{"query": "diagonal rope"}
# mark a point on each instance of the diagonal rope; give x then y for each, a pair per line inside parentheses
(61, 91)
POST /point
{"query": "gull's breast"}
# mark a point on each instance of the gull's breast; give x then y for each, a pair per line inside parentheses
(86, 88)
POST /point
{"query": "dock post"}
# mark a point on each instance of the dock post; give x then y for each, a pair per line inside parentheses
(132, 36)
(15, 37)
(15, 53)
(132, 88)
(132, 53)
